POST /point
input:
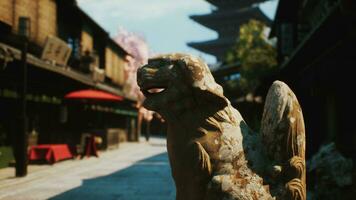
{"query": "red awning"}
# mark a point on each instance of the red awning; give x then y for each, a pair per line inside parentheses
(94, 95)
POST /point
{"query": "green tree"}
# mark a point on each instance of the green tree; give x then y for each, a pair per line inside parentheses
(256, 55)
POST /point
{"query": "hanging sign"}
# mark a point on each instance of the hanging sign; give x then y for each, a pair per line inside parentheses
(56, 50)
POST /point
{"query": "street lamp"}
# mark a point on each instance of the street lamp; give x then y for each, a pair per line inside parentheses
(21, 142)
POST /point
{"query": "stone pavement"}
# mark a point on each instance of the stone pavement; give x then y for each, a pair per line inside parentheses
(134, 171)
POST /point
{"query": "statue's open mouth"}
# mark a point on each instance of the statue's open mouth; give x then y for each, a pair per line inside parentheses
(153, 91)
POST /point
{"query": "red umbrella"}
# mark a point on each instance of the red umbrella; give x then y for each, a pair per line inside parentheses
(94, 95)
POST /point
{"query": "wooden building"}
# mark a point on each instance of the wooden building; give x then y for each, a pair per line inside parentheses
(95, 61)
(316, 41)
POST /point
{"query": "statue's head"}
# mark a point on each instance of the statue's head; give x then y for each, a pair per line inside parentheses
(177, 82)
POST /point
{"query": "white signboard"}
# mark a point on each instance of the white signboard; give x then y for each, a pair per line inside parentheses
(56, 50)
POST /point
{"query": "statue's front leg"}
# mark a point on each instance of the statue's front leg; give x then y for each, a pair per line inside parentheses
(191, 172)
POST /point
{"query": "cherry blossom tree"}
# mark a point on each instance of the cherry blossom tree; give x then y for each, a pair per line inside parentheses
(138, 49)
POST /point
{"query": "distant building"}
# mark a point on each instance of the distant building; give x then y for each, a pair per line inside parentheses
(226, 19)
(67, 51)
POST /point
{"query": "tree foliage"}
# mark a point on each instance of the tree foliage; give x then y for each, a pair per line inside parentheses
(255, 54)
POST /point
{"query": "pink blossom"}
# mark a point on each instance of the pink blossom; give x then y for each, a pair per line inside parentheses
(138, 49)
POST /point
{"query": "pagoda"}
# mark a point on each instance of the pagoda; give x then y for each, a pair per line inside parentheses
(226, 19)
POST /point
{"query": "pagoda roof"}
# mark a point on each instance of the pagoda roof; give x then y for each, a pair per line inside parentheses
(217, 47)
(227, 69)
(228, 4)
(217, 20)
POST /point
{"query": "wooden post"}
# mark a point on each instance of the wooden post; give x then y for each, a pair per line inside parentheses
(22, 142)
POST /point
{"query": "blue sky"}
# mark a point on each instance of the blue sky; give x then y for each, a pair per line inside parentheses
(165, 24)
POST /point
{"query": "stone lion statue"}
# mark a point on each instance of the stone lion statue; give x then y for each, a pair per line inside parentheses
(212, 152)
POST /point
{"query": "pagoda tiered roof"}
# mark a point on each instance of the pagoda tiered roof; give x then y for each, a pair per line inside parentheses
(226, 19)
(233, 4)
(219, 20)
(217, 47)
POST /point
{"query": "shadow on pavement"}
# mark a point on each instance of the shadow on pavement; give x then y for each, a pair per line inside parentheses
(147, 179)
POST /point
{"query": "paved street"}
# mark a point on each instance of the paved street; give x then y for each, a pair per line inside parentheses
(133, 171)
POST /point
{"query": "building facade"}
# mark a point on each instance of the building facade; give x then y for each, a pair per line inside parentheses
(67, 51)
(315, 51)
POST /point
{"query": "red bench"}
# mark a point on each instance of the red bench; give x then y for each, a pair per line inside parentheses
(50, 152)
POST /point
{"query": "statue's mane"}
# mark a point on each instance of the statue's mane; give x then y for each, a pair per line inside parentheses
(215, 121)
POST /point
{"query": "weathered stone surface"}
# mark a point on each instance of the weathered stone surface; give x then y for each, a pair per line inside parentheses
(213, 153)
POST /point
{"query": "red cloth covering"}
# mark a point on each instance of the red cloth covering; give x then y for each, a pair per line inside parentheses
(50, 152)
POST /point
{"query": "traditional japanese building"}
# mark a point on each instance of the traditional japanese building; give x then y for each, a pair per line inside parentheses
(316, 41)
(226, 19)
(66, 51)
